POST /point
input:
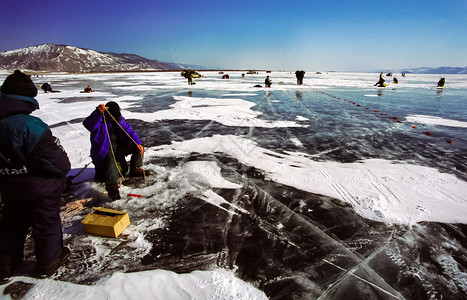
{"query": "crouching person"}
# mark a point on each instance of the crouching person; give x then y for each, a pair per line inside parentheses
(33, 166)
(112, 139)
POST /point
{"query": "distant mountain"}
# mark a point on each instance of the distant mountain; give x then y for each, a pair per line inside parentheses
(439, 70)
(63, 58)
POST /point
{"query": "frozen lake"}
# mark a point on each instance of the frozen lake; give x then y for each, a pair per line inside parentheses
(334, 189)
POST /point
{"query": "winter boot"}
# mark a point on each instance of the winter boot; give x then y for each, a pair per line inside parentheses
(112, 191)
(138, 172)
(50, 269)
(5, 273)
(122, 165)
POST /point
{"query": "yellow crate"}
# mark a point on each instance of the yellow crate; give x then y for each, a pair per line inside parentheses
(106, 222)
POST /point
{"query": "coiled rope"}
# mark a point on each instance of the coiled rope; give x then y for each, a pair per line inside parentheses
(111, 148)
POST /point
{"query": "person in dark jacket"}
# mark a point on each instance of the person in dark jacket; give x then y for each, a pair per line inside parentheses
(300, 74)
(33, 166)
(112, 138)
(267, 82)
(46, 87)
(441, 82)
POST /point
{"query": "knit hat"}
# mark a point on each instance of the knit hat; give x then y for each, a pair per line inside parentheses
(114, 109)
(19, 83)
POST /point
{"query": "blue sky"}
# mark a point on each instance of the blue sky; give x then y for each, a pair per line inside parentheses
(276, 34)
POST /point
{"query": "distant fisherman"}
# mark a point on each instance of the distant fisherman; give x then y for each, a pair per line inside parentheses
(190, 78)
(46, 87)
(380, 82)
(88, 89)
(300, 75)
(441, 82)
(267, 82)
(188, 74)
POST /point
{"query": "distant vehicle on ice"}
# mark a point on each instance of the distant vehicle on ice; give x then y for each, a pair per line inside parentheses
(194, 74)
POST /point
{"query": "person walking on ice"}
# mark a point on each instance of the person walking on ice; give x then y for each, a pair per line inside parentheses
(300, 74)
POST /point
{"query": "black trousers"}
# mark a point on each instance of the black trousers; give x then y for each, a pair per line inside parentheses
(31, 202)
(109, 172)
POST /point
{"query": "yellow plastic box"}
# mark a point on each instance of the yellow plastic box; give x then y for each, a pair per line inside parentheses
(106, 222)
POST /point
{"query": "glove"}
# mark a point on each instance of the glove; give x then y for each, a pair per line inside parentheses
(101, 108)
(141, 149)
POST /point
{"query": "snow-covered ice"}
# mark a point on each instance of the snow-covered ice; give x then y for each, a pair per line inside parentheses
(224, 142)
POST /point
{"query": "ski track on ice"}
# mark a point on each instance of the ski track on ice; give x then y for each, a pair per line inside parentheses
(381, 187)
(339, 189)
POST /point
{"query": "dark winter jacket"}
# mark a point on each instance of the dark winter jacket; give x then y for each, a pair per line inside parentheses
(27, 147)
(100, 142)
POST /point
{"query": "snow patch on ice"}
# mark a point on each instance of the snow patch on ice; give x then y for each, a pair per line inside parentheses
(296, 142)
(154, 284)
(435, 121)
(389, 191)
(301, 118)
(210, 173)
(230, 112)
(240, 94)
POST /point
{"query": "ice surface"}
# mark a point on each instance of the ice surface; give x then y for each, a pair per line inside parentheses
(381, 190)
(328, 189)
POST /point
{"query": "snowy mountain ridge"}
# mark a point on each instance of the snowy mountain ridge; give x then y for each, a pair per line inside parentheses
(438, 70)
(64, 58)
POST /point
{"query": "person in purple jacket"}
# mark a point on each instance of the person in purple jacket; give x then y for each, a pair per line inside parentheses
(112, 139)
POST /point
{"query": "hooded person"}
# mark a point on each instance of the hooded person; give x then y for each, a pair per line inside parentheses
(33, 166)
(441, 82)
(112, 139)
